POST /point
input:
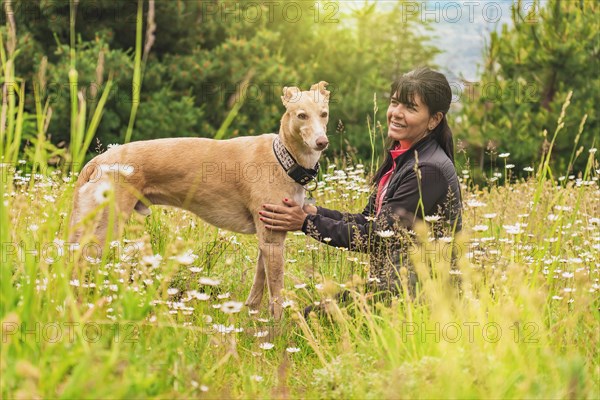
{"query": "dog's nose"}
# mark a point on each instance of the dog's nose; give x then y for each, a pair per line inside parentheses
(322, 142)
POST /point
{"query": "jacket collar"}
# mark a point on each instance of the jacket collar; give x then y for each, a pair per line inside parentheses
(417, 146)
(423, 142)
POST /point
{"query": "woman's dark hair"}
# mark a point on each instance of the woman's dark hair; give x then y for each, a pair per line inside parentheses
(433, 89)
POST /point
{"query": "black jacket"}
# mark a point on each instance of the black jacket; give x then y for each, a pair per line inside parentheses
(437, 186)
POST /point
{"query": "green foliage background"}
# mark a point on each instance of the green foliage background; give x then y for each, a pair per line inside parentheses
(206, 53)
(528, 72)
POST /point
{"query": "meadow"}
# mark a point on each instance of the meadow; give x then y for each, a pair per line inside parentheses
(161, 315)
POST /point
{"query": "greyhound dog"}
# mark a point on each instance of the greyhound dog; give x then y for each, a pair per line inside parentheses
(224, 182)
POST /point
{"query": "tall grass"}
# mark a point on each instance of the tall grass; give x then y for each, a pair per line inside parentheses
(235, 104)
(9, 131)
(140, 59)
(146, 322)
(373, 134)
(137, 72)
(82, 133)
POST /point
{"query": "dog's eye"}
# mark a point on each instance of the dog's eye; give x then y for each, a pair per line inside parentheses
(324, 115)
(302, 116)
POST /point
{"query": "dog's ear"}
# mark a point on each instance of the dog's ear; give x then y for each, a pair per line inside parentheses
(290, 95)
(320, 89)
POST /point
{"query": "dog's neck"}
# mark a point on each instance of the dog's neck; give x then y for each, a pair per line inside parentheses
(304, 155)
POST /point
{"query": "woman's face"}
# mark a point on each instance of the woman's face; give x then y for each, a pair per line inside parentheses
(407, 123)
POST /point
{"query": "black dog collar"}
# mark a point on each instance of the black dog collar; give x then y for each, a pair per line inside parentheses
(294, 170)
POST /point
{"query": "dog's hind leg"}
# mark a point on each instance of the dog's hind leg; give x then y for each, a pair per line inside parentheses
(258, 286)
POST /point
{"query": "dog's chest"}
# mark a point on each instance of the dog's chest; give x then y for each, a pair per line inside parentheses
(299, 196)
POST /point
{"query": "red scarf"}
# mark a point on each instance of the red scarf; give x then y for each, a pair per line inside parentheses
(384, 181)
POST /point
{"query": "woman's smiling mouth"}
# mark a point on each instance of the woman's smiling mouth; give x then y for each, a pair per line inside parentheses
(397, 125)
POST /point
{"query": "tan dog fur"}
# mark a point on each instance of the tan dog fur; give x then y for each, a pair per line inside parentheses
(225, 182)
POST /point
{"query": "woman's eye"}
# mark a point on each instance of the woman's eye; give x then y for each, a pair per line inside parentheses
(302, 116)
(324, 115)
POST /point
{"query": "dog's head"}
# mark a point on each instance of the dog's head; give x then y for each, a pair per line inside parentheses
(307, 114)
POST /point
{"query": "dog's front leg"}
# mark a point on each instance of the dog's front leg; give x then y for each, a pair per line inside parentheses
(271, 247)
(258, 286)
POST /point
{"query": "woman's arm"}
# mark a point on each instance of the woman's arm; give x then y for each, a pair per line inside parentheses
(292, 217)
(398, 211)
(345, 216)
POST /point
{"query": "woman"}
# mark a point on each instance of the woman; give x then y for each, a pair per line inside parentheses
(417, 179)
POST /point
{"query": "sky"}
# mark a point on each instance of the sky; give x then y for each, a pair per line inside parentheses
(463, 31)
(460, 28)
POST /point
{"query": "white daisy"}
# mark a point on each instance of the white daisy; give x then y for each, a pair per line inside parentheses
(385, 233)
(194, 294)
(432, 218)
(300, 285)
(186, 258)
(102, 192)
(475, 203)
(288, 303)
(480, 228)
(266, 346)
(232, 307)
(152, 261)
(209, 281)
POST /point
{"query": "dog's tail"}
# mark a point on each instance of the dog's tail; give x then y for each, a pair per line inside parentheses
(96, 180)
(91, 172)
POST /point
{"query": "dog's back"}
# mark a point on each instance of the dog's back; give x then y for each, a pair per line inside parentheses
(222, 181)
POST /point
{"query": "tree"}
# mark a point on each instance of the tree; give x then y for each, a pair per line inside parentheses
(528, 72)
(208, 55)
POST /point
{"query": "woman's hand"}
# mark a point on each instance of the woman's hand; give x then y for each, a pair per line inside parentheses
(289, 217)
